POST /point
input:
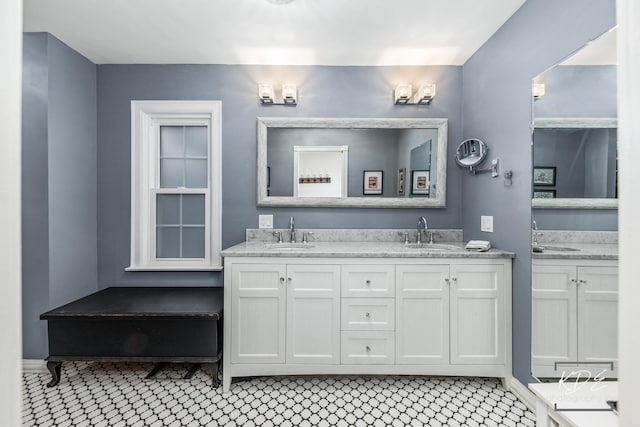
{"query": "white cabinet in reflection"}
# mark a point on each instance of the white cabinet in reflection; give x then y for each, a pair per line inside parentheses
(574, 316)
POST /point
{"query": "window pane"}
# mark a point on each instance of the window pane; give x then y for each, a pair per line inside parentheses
(196, 174)
(168, 209)
(168, 242)
(193, 209)
(171, 173)
(196, 140)
(193, 242)
(171, 141)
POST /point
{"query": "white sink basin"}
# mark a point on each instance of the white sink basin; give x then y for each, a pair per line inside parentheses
(558, 248)
(288, 246)
(430, 247)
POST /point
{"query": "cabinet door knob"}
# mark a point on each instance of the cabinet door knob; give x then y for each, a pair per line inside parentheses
(368, 282)
(582, 281)
(446, 279)
(368, 349)
(455, 279)
(367, 315)
(282, 280)
(573, 280)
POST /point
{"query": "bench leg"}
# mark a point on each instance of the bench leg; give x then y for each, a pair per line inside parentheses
(215, 374)
(56, 372)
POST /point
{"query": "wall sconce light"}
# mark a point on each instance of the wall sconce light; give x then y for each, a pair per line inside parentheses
(423, 96)
(538, 90)
(267, 94)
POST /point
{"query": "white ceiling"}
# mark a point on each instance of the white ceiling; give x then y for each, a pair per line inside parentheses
(305, 32)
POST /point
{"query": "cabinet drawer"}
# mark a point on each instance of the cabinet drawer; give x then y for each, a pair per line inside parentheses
(368, 281)
(372, 348)
(368, 314)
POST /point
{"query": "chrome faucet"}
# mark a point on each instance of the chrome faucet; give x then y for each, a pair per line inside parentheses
(534, 227)
(420, 228)
(292, 230)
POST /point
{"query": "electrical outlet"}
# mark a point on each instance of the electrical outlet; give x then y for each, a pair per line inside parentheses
(265, 221)
(486, 224)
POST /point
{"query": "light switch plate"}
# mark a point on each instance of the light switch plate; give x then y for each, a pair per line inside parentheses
(486, 224)
(265, 221)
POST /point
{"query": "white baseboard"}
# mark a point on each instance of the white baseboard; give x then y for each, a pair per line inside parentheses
(34, 366)
(524, 394)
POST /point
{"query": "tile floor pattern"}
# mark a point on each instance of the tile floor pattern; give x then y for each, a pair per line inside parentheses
(107, 394)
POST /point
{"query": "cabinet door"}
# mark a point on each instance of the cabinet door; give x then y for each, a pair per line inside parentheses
(554, 315)
(477, 314)
(313, 314)
(258, 313)
(597, 314)
(422, 314)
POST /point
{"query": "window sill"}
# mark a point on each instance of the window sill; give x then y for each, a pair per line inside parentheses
(174, 268)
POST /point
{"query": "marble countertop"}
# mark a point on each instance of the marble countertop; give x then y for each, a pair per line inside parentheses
(364, 249)
(566, 244)
(577, 251)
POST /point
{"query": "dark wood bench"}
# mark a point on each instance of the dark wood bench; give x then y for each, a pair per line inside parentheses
(144, 324)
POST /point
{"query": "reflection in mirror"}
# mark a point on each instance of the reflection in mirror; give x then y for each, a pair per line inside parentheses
(390, 162)
(574, 162)
(575, 129)
(574, 280)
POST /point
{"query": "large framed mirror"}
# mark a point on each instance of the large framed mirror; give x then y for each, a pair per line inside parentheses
(583, 152)
(574, 280)
(369, 163)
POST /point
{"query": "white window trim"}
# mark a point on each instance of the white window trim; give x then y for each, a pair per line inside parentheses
(146, 118)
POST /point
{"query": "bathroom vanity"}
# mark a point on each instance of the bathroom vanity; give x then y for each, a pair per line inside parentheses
(575, 304)
(367, 304)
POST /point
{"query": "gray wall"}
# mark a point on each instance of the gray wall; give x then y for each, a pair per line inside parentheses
(497, 109)
(323, 92)
(578, 91)
(59, 182)
(35, 197)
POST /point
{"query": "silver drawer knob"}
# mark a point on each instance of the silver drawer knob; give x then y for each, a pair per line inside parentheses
(367, 315)
(368, 349)
(368, 282)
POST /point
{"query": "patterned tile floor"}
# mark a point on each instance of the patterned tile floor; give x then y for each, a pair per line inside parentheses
(106, 394)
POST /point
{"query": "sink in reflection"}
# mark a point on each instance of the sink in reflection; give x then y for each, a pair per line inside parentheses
(288, 246)
(430, 247)
(554, 248)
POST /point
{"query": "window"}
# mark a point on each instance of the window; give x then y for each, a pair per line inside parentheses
(175, 185)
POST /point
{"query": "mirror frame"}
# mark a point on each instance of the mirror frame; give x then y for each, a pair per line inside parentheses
(264, 123)
(574, 122)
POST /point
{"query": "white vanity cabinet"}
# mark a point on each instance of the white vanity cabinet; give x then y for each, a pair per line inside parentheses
(451, 313)
(574, 315)
(285, 313)
(388, 316)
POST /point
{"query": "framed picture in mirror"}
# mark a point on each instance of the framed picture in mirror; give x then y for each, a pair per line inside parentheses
(420, 182)
(372, 183)
(402, 172)
(544, 175)
(544, 194)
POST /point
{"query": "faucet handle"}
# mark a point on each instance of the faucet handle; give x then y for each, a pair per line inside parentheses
(305, 235)
(405, 235)
(278, 235)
